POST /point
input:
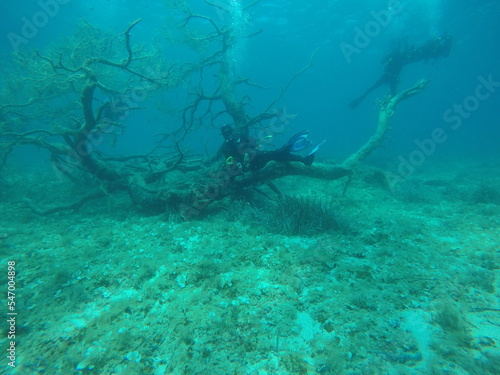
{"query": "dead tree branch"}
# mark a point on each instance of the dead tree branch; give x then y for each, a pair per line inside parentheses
(386, 112)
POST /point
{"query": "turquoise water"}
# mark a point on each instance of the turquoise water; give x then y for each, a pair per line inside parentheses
(127, 248)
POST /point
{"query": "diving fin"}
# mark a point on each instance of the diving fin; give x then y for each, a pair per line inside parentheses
(308, 160)
(313, 151)
(298, 142)
(356, 102)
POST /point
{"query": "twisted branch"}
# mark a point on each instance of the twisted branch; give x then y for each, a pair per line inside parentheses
(387, 109)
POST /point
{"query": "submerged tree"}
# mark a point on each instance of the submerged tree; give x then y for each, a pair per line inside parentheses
(70, 98)
(77, 94)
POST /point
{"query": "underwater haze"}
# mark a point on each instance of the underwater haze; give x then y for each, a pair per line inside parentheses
(251, 187)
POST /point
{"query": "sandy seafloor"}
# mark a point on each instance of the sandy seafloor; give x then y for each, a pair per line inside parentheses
(410, 288)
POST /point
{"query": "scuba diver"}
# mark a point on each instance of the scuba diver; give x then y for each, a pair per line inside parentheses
(243, 152)
(403, 54)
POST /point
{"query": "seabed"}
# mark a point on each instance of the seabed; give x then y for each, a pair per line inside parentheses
(409, 286)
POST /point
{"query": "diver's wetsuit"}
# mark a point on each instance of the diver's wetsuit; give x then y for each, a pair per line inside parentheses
(402, 55)
(236, 147)
(283, 154)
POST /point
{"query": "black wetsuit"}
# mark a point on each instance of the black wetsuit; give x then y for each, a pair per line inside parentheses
(402, 55)
(239, 146)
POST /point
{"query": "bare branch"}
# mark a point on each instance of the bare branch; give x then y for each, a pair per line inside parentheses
(265, 113)
(386, 112)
